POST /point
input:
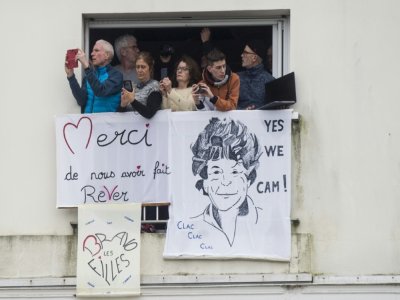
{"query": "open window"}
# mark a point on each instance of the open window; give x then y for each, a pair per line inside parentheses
(183, 32)
(229, 32)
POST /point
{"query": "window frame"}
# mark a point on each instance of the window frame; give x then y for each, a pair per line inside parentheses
(279, 20)
(280, 28)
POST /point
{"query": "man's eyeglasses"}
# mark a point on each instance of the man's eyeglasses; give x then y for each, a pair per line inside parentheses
(247, 52)
(181, 69)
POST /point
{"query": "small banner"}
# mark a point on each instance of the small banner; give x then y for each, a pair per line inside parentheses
(108, 250)
(231, 185)
(112, 158)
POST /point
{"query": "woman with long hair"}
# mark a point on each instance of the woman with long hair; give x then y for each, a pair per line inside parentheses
(177, 94)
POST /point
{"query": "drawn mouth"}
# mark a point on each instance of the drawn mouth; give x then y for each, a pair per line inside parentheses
(226, 194)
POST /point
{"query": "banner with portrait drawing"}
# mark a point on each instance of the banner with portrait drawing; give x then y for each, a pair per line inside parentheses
(108, 250)
(112, 158)
(231, 185)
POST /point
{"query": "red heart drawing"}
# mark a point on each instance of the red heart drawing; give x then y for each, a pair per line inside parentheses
(147, 125)
(67, 125)
(138, 167)
(90, 243)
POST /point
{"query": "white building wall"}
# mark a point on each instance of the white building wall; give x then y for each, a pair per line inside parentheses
(344, 55)
(346, 183)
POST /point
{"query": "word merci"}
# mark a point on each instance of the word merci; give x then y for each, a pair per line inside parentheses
(191, 235)
(123, 137)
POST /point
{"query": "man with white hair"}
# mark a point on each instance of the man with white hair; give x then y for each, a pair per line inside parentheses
(101, 87)
(127, 50)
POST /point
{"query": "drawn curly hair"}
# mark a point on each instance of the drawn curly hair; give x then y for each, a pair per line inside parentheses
(228, 139)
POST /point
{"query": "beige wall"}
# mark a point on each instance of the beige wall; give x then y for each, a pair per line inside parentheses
(346, 183)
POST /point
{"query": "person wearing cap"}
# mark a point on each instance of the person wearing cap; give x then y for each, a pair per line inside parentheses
(254, 77)
(164, 66)
(219, 89)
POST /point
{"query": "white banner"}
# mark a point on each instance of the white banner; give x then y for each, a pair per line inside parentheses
(231, 185)
(108, 250)
(112, 158)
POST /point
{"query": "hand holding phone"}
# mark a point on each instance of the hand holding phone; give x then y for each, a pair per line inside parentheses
(195, 89)
(71, 61)
(128, 85)
(201, 90)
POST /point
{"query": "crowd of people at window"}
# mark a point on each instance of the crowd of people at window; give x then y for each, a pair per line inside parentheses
(178, 85)
(164, 83)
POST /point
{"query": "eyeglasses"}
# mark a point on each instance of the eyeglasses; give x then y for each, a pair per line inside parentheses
(181, 69)
(247, 52)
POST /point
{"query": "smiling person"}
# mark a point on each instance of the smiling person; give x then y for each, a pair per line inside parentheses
(219, 89)
(225, 156)
(101, 86)
(146, 97)
(177, 94)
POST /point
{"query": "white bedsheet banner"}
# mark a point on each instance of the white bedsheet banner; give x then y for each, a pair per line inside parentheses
(112, 158)
(231, 185)
(226, 174)
(108, 250)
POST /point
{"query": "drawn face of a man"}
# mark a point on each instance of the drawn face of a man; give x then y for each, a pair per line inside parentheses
(226, 184)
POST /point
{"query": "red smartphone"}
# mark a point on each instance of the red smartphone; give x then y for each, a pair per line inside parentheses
(71, 62)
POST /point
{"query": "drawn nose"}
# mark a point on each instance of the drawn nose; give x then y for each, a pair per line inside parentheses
(225, 181)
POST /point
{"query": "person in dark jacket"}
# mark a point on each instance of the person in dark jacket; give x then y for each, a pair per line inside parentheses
(254, 77)
(165, 63)
(101, 86)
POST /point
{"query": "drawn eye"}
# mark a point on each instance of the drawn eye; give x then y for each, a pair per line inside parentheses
(216, 172)
(235, 172)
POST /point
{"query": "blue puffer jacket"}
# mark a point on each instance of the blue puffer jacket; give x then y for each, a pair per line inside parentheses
(252, 86)
(100, 90)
